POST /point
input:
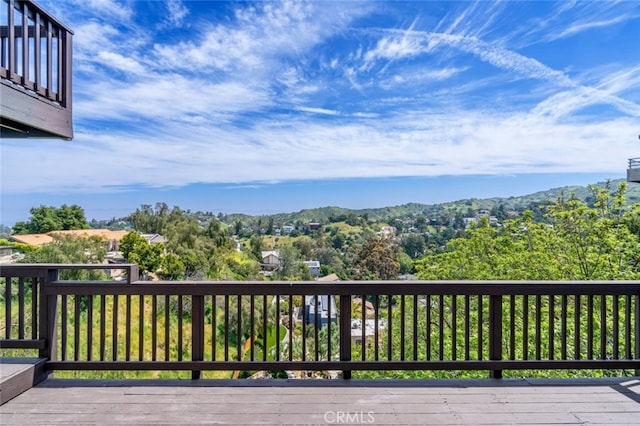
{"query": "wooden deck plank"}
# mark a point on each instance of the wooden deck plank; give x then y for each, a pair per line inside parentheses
(59, 402)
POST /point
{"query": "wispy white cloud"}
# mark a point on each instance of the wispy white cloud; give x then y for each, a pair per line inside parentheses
(177, 12)
(317, 110)
(335, 90)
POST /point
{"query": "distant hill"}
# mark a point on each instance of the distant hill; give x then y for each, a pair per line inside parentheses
(323, 214)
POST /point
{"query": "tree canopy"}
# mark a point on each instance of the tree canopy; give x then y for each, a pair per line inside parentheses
(48, 218)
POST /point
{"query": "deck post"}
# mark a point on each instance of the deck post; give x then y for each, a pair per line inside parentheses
(197, 332)
(345, 332)
(495, 333)
(48, 307)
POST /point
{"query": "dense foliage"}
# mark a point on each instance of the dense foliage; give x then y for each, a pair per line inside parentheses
(45, 219)
(574, 242)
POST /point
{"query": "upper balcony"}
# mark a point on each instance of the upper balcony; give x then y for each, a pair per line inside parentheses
(633, 172)
(35, 73)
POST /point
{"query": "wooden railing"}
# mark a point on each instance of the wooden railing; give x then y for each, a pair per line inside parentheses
(35, 71)
(413, 325)
(633, 172)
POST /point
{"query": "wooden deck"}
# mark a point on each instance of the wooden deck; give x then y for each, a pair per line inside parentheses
(437, 402)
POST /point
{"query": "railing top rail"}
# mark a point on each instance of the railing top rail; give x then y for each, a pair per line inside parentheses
(64, 266)
(634, 163)
(36, 7)
(397, 287)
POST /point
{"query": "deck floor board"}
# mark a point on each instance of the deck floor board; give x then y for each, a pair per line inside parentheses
(453, 402)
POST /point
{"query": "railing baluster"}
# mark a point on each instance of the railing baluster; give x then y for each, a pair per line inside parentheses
(226, 327)
(441, 327)
(402, 327)
(576, 327)
(376, 332)
(76, 327)
(467, 327)
(512, 327)
(127, 338)
(363, 331)
(154, 327)
(167, 322)
(330, 325)
(89, 300)
(637, 331)
(428, 320)
(290, 324)
(180, 320)
(563, 332)
(65, 330)
(590, 326)
(214, 328)
(103, 325)
(525, 327)
(21, 308)
(538, 327)
(318, 324)
(114, 327)
(252, 319)
(304, 328)
(25, 45)
(627, 327)
(389, 329)
(616, 327)
(454, 327)
(480, 328)
(551, 335)
(140, 328)
(265, 320)
(603, 326)
(415, 327)
(8, 305)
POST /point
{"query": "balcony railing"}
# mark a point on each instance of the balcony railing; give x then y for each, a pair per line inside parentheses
(412, 325)
(633, 172)
(35, 72)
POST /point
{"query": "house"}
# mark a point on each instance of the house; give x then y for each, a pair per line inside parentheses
(388, 231)
(369, 329)
(314, 226)
(154, 238)
(270, 260)
(287, 229)
(326, 306)
(32, 239)
(314, 267)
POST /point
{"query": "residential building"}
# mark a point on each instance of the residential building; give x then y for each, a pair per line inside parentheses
(319, 310)
(314, 267)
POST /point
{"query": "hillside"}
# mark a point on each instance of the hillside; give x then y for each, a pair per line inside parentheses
(324, 214)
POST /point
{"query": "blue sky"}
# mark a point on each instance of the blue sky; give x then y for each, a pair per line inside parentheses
(272, 107)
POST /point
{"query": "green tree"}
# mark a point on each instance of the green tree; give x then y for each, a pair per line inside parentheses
(136, 249)
(414, 245)
(577, 242)
(71, 249)
(376, 259)
(48, 218)
(292, 265)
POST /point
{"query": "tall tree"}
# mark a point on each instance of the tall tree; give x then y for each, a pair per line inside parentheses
(48, 218)
(376, 259)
